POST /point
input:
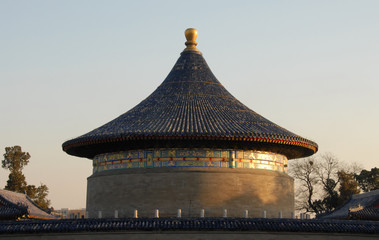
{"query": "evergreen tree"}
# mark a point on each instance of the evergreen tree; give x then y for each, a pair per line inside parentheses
(368, 180)
(15, 160)
(348, 186)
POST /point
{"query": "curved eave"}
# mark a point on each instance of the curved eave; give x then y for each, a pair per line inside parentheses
(90, 148)
(41, 218)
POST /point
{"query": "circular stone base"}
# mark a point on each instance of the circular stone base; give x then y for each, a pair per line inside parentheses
(190, 189)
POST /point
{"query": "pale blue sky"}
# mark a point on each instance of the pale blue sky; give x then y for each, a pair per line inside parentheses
(67, 67)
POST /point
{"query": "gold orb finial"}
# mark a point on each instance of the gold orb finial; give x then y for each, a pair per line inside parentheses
(191, 35)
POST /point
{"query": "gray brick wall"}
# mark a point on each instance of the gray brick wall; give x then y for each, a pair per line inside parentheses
(190, 189)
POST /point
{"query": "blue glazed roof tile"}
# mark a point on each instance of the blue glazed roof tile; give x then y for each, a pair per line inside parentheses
(190, 104)
(302, 228)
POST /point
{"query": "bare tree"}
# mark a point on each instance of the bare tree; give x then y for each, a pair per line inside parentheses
(328, 169)
(317, 183)
(304, 171)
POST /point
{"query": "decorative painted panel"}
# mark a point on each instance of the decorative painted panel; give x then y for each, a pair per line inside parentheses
(156, 158)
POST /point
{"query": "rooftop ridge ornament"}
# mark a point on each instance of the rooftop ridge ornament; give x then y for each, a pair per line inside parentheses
(191, 35)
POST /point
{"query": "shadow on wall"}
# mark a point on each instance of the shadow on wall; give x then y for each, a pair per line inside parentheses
(256, 192)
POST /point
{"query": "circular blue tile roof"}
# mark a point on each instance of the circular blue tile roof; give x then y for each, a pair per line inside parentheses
(190, 109)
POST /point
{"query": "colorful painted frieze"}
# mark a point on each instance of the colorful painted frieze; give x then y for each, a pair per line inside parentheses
(221, 158)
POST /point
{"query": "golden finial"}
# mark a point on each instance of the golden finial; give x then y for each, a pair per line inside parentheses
(191, 35)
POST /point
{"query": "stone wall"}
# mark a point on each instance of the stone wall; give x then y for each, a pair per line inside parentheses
(190, 189)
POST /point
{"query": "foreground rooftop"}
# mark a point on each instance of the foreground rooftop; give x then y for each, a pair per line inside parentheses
(190, 224)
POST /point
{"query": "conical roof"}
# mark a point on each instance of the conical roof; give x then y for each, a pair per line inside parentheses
(191, 108)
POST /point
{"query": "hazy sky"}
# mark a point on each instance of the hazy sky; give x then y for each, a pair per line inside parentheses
(67, 67)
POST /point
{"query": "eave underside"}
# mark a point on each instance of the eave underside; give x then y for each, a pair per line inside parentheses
(91, 149)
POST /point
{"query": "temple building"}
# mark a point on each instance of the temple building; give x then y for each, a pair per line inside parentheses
(15, 206)
(363, 206)
(190, 145)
